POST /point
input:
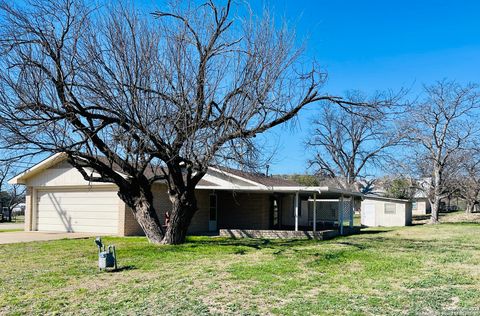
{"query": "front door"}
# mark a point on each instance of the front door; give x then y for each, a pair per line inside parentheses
(212, 221)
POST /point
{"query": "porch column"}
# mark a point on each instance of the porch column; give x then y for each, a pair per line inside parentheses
(352, 210)
(314, 212)
(296, 211)
(340, 213)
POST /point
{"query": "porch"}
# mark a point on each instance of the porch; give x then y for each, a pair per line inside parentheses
(312, 213)
(287, 234)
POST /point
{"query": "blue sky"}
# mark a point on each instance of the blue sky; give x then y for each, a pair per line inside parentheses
(375, 45)
(379, 45)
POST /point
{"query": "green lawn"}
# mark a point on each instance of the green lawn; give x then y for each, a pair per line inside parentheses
(419, 269)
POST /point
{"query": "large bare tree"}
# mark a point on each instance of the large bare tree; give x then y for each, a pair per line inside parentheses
(441, 127)
(349, 141)
(134, 98)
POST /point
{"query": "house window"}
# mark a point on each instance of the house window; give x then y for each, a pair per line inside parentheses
(390, 208)
(213, 207)
(414, 206)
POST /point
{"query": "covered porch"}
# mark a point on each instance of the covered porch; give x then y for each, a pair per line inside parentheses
(313, 213)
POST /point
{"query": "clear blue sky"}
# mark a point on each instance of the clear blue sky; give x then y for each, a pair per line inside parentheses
(376, 45)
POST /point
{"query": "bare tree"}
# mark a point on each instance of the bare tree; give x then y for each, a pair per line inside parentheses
(133, 99)
(349, 141)
(10, 196)
(467, 182)
(441, 126)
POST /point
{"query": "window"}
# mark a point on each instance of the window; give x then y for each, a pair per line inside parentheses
(213, 207)
(390, 208)
(414, 206)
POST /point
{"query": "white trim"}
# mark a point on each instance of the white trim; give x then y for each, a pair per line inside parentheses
(297, 197)
(44, 164)
(314, 212)
(236, 177)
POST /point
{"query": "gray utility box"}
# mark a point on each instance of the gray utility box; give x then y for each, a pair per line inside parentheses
(107, 257)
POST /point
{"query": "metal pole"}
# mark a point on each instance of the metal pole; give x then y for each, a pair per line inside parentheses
(340, 215)
(314, 212)
(352, 210)
(296, 211)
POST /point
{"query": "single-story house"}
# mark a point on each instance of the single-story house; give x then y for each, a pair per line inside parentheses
(59, 199)
(383, 211)
(421, 205)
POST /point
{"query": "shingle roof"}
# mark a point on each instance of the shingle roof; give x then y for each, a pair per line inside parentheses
(260, 178)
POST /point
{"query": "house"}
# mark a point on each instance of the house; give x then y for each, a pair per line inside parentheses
(231, 202)
(420, 204)
(383, 211)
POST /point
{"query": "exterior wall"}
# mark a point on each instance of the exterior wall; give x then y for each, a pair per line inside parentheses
(422, 207)
(28, 209)
(286, 234)
(402, 216)
(287, 208)
(62, 174)
(243, 210)
(162, 204)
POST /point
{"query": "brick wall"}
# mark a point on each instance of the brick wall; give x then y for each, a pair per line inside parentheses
(285, 234)
(162, 204)
(28, 209)
(243, 210)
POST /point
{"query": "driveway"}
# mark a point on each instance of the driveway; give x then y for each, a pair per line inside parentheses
(15, 237)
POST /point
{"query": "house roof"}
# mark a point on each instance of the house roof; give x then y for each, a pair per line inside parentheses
(384, 198)
(259, 178)
(217, 178)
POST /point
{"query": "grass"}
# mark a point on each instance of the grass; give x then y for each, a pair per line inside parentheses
(10, 230)
(421, 269)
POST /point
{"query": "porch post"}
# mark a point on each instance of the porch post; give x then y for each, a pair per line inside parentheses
(314, 212)
(352, 210)
(340, 214)
(296, 211)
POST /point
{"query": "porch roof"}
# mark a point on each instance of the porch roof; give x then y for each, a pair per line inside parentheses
(323, 190)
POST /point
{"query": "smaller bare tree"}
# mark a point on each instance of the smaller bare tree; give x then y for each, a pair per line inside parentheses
(350, 140)
(10, 196)
(468, 180)
(441, 127)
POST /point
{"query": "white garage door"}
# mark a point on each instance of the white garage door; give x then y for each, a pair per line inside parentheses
(88, 210)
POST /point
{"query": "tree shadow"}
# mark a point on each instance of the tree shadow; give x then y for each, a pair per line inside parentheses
(122, 268)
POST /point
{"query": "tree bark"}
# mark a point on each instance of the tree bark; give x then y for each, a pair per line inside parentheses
(436, 195)
(141, 205)
(435, 210)
(470, 207)
(184, 206)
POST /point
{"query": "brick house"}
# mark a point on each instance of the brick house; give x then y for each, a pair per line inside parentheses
(230, 202)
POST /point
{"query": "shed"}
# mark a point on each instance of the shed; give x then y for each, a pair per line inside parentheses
(383, 211)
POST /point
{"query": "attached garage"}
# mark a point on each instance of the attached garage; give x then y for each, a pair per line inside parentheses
(382, 211)
(77, 210)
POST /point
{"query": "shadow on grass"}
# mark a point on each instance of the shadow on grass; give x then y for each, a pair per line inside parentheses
(121, 269)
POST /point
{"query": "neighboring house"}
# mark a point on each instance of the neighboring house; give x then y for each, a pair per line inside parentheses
(59, 199)
(420, 204)
(386, 212)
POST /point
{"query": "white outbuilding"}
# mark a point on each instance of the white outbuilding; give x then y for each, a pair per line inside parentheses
(383, 211)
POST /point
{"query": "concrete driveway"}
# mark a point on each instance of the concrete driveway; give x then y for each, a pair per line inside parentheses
(16, 237)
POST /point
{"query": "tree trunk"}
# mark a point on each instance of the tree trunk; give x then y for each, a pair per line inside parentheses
(184, 206)
(470, 207)
(435, 210)
(436, 195)
(141, 204)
